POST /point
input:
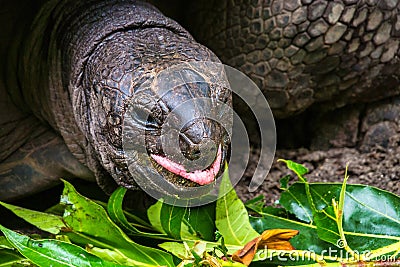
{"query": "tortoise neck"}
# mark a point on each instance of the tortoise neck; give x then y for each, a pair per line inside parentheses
(62, 37)
(60, 40)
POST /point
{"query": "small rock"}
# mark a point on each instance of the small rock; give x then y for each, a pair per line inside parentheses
(378, 134)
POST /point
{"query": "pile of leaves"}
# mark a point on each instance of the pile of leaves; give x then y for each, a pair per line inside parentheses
(314, 223)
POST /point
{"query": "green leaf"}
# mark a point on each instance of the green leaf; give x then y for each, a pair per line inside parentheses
(4, 244)
(327, 228)
(118, 215)
(284, 182)
(307, 239)
(371, 216)
(90, 223)
(154, 215)
(50, 252)
(295, 201)
(10, 258)
(232, 219)
(44, 221)
(171, 220)
(256, 204)
(112, 256)
(197, 222)
(179, 249)
(300, 170)
(201, 220)
(297, 168)
(114, 208)
(176, 248)
(57, 209)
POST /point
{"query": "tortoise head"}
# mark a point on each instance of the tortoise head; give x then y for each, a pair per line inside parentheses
(181, 121)
(156, 106)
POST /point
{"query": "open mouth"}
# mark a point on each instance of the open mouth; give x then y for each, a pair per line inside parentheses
(201, 177)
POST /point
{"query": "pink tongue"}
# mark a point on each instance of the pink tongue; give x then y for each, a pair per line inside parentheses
(200, 177)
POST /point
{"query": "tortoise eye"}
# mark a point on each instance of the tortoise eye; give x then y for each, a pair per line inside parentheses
(152, 122)
(145, 118)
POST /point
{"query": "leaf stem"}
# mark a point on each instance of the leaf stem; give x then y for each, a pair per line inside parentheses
(377, 253)
(338, 208)
(300, 170)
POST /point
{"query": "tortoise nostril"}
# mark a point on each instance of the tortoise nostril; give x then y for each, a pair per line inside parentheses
(198, 141)
(200, 155)
(189, 149)
(195, 153)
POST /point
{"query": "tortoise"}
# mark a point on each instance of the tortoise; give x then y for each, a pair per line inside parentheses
(71, 67)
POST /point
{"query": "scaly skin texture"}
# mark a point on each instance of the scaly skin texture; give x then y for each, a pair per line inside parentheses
(306, 53)
(330, 70)
(73, 70)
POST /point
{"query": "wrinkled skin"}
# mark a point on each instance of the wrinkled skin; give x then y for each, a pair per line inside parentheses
(111, 88)
(78, 82)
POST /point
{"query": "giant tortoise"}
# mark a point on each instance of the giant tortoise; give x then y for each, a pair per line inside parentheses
(329, 70)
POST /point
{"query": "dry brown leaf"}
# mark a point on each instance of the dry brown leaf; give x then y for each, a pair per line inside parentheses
(272, 239)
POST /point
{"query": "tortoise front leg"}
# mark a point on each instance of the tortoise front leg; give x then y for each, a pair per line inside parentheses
(38, 165)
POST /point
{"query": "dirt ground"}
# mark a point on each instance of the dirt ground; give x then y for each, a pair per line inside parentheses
(379, 168)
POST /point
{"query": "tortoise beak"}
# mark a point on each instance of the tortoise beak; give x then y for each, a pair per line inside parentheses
(201, 177)
(198, 156)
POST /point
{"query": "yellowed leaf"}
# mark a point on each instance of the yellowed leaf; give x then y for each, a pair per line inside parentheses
(273, 239)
